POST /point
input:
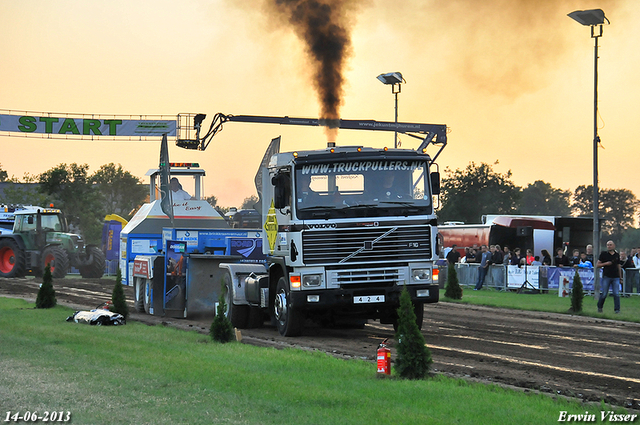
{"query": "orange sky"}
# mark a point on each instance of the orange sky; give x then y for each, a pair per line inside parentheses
(512, 79)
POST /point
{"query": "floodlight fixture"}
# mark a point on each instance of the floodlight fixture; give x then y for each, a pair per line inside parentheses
(393, 79)
(589, 17)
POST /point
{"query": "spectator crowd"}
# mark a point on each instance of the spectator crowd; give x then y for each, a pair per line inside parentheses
(610, 261)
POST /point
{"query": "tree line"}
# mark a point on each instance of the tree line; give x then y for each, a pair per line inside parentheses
(86, 198)
(468, 194)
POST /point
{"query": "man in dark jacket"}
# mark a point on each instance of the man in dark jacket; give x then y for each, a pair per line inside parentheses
(453, 256)
(625, 261)
(609, 260)
(484, 265)
(560, 259)
(497, 257)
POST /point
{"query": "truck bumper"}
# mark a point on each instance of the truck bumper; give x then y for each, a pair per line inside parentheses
(345, 300)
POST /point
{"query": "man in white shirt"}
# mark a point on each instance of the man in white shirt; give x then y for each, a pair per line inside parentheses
(177, 193)
(635, 256)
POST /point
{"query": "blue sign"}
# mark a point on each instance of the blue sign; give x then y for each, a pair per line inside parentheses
(555, 274)
(250, 249)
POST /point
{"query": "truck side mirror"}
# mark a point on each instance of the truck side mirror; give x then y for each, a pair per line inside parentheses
(435, 183)
(281, 190)
(30, 219)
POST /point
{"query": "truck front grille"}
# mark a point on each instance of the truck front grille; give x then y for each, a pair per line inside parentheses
(368, 244)
(365, 278)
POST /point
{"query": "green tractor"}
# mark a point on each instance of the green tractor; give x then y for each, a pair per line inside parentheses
(40, 237)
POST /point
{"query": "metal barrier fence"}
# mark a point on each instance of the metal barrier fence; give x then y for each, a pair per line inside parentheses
(503, 278)
(496, 276)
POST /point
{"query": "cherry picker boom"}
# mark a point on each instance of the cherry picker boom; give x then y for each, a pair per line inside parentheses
(428, 133)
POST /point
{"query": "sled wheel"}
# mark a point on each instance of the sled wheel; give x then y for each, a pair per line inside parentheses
(238, 314)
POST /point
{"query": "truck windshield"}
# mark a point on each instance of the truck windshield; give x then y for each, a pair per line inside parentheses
(362, 189)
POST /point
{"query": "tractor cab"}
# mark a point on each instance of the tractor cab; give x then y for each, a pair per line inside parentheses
(42, 226)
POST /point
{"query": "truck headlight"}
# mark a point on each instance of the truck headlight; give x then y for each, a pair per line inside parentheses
(421, 275)
(311, 280)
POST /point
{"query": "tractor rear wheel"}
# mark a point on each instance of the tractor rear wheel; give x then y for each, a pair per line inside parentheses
(12, 260)
(95, 269)
(58, 259)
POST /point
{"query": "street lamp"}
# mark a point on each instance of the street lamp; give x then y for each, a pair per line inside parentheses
(394, 79)
(594, 18)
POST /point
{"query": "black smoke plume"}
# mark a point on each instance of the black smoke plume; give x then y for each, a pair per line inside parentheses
(323, 25)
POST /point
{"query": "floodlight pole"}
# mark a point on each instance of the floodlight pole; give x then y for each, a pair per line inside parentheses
(596, 141)
(395, 92)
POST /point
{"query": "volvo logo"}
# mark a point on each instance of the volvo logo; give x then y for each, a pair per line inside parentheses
(369, 224)
(322, 226)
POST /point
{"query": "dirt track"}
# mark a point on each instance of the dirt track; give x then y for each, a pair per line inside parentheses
(587, 358)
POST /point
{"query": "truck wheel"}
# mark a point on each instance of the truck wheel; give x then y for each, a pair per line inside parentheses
(12, 261)
(138, 286)
(96, 268)
(59, 260)
(288, 320)
(238, 314)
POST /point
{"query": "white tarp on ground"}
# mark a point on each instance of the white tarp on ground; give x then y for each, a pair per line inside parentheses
(99, 317)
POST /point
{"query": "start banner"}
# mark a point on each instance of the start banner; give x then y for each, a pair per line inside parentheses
(88, 127)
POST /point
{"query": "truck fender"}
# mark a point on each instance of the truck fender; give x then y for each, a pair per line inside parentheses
(16, 238)
(238, 272)
(51, 244)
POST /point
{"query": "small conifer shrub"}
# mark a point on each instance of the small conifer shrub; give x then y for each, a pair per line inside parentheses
(577, 294)
(414, 358)
(452, 286)
(118, 300)
(46, 294)
(221, 328)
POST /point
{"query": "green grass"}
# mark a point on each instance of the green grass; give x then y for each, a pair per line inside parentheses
(139, 374)
(629, 307)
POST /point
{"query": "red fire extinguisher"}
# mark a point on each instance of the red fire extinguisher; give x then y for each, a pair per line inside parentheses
(384, 358)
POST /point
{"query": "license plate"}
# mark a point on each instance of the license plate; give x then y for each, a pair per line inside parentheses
(368, 299)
